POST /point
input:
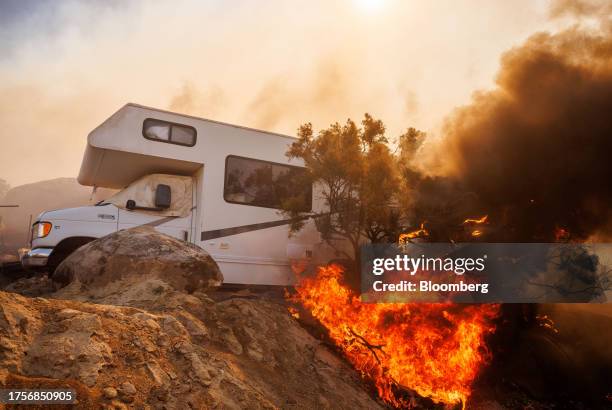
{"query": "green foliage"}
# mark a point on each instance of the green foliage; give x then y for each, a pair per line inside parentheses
(358, 180)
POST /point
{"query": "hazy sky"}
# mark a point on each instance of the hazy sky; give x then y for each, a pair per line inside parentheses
(67, 65)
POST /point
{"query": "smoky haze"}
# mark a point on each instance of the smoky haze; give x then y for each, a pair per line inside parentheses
(531, 151)
(536, 150)
(67, 66)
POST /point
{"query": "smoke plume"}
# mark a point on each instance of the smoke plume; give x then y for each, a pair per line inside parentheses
(535, 151)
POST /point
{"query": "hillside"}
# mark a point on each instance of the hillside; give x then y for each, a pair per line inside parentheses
(35, 198)
(160, 335)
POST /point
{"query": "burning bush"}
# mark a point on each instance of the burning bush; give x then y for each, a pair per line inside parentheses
(435, 350)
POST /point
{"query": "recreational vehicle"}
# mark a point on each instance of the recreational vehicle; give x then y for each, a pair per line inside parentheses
(216, 185)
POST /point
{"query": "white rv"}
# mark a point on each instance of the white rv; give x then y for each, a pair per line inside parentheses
(213, 184)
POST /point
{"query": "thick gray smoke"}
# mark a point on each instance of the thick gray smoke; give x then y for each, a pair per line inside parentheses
(535, 152)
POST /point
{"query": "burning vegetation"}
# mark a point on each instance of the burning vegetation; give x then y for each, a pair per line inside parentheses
(418, 233)
(534, 155)
(434, 350)
(530, 158)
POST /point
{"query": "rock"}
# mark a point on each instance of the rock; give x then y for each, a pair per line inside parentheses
(173, 327)
(69, 351)
(128, 388)
(195, 327)
(160, 393)
(163, 341)
(110, 392)
(127, 392)
(201, 371)
(136, 254)
(255, 353)
(67, 313)
(34, 286)
(159, 375)
(19, 325)
(230, 341)
(117, 405)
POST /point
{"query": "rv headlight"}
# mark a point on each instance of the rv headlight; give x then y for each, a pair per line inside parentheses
(41, 229)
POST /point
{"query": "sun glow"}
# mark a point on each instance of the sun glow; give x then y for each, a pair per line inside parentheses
(369, 5)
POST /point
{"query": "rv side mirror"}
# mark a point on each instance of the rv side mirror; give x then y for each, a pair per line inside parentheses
(130, 205)
(163, 196)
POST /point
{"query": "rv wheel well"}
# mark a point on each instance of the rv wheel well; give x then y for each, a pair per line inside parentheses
(65, 248)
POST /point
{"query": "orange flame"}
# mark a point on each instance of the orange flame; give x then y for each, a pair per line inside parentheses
(294, 312)
(476, 221)
(546, 322)
(419, 233)
(435, 350)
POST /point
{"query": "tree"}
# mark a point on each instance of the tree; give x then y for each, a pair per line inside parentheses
(438, 203)
(409, 143)
(358, 177)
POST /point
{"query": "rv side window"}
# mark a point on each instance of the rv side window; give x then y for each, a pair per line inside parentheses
(169, 132)
(265, 184)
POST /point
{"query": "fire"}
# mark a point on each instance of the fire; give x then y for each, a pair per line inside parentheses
(435, 350)
(419, 233)
(546, 322)
(476, 221)
(561, 234)
(476, 233)
(293, 312)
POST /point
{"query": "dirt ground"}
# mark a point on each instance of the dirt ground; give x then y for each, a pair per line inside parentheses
(170, 350)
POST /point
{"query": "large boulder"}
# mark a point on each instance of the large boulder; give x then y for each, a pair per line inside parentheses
(140, 259)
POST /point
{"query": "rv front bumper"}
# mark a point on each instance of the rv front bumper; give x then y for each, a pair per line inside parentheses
(36, 258)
